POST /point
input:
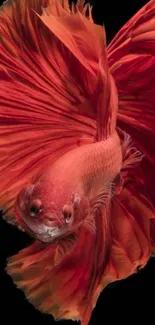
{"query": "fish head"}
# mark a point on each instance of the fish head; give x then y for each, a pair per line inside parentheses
(48, 215)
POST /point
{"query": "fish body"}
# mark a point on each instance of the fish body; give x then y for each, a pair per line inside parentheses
(77, 150)
(85, 173)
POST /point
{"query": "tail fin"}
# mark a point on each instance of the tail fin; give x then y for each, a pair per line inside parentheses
(131, 56)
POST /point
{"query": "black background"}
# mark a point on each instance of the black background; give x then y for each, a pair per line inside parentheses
(130, 301)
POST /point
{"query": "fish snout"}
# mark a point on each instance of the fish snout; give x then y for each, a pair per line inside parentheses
(53, 220)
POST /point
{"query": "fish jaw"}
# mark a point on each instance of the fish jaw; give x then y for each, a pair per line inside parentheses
(46, 234)
(41, 232)
(47, 228)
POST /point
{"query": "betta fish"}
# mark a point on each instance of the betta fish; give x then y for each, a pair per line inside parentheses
(77, 150)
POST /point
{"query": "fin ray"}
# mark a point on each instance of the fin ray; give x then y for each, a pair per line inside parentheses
(132, 64)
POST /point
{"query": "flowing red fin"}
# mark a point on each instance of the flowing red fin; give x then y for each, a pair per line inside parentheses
(47, 110)
(132, 63)
(68, 289)
(131, 213)
(130, 232)
(102, 93)
(72, 29)
(67, 244)
(79, 277)
(89, 223)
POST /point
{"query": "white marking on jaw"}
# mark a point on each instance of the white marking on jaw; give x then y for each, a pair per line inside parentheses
(43, 232)
(50, 230)
(46, 234)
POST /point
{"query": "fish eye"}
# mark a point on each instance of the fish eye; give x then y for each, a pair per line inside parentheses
(35, 208)
(67, 214)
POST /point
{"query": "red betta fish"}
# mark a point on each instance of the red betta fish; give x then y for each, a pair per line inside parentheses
(77, 150)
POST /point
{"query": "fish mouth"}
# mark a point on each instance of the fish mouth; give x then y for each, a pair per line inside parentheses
(48, 234)
(45, 234)
(45, 230)
(41, 232)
